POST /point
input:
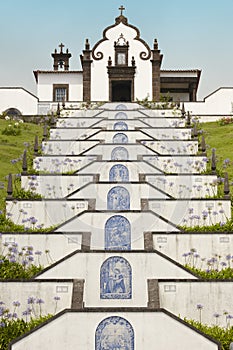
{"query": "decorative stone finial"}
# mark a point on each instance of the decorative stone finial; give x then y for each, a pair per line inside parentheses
(87, 45)
(63, 102)
(188, 119)
(24, 164)
(183, 110)
(226, 187)
(45, 132)
(156, 44)
(58, 109)
(203, 145)
(213, 161)
(194, 130)
(36, 145)
(109, 61)
(52, 120)
(9, 187)
(133, 61)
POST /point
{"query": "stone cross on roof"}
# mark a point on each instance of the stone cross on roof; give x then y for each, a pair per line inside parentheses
(61, 46)
(121, 9)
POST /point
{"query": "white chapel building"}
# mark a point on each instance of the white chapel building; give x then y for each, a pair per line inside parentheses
(121, 66)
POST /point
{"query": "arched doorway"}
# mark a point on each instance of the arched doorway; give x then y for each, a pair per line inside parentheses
(122, 91)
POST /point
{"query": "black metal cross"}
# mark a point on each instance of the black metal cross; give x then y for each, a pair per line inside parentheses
(121, 9)
(61, 46)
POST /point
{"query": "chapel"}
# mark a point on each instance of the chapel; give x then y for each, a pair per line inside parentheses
(118, 195)
(121, 66)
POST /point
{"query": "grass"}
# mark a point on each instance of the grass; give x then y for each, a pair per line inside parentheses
(12, 147)
(220, 138)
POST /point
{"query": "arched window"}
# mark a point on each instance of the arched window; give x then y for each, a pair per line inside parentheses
(13, 112)
(117, 233)
(120, 107)
(116, 279)
(121, 115)
(120, 153)
(114, 333)
(120, 126)
(120, 138)
(119, 173)
(118, 199)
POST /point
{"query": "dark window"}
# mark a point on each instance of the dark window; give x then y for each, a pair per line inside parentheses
(60, 93)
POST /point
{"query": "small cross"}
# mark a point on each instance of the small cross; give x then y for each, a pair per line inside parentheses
(61, 46)
(121, 9)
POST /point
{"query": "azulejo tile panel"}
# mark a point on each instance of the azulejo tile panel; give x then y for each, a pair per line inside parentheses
(114, 333)
(120, 126)
(118, 199)
(121, 115)
(120, 138)
(119, 153)
(116, 279)
(119, 173)
(117, 233)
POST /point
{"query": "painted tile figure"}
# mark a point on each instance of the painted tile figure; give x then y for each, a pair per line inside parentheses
(116, 279)
(121, 115)
(120, 153)
(114, 333)
(117, 233)
(119, 173)
(118, 199)
(120, 126)
(120, 138)
(120, 107)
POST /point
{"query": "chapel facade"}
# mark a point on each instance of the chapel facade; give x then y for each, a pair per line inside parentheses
(121, 66)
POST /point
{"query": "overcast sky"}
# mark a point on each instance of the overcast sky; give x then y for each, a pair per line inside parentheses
(191, 34)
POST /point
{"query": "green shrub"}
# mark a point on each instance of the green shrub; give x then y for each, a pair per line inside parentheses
(223, 335)
(14, 328)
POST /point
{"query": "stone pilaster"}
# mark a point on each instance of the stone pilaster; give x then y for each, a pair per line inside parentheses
(86, 65)
(77, 296)
(156, 64)
(153, 294)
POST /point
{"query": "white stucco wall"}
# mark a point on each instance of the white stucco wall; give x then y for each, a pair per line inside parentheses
(135, 191)
(135, 168)
(87, 266)
(143, 76)
(61, 164)
(57, 245)
(178, 164)
(46, 81)
(94, 222)
(185, 186)
(46, 212)
(54, 186)
(185, 212)
(66, 147)
(182, 298)
(76, 330)
(21, 291)
(133, 149)
(218, 102)
(206, 245)
(72, 133)
(18, 98)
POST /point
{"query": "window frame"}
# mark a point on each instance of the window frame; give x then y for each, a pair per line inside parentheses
(60, 86)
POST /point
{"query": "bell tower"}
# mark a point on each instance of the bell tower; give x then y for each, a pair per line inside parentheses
(61, 59)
